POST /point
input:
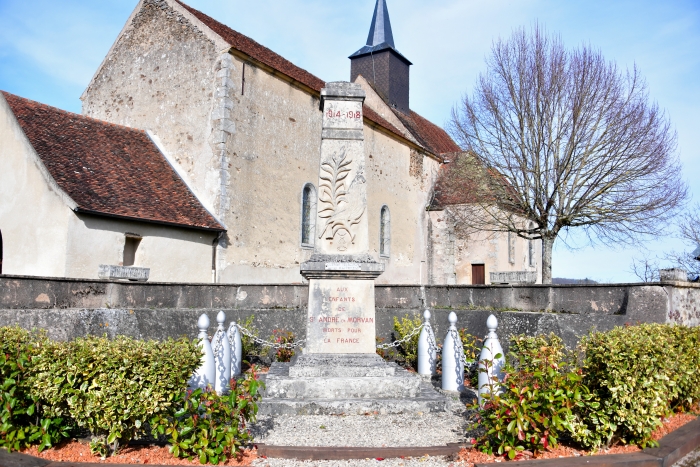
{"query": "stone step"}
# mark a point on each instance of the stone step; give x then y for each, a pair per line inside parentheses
(427, 400)
(343, 365)
(280, 385)
(349, 406)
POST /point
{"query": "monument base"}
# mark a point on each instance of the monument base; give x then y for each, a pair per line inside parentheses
(351, 384)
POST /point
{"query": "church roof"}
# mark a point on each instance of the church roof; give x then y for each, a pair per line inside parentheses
(433, 138)
(428, 134)
(380, 36)
(109, 169)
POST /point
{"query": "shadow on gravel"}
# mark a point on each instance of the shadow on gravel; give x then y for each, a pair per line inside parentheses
(262, 427)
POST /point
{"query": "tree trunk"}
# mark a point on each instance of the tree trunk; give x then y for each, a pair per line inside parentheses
(547, 244)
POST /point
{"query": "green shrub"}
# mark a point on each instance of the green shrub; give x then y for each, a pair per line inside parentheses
(470, 344)
(408, 351)
(282, 337)
(210, 427)
(538, 399)
(112, 387)
(22, 419)
(640, 374)
(532, 351)
(250, 347)
(615, 388)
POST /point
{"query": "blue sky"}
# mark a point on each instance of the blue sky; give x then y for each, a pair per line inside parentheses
(50, 49)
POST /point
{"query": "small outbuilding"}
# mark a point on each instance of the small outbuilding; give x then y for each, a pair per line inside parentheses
(79, 193)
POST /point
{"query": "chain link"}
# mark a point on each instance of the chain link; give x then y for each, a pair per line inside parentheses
(459, 348)
(218, 340)
(431, 337)
(402, 341)
(274, 345)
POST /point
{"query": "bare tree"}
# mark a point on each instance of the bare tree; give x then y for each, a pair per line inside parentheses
(566, 140)
(689, 230)
(646, 269)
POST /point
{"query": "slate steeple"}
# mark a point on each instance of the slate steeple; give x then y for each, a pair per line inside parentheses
(380, 32)
(380, 63)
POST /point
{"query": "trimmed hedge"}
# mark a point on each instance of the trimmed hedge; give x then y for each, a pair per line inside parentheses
(117, 389)
(22, 419)
(639, 374)
(614, 388)
(112, 387)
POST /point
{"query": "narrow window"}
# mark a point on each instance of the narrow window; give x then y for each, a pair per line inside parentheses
(511, 247)
(0, 251)
(384, 232)
(131, 244)
(308, 215)
(531, 249)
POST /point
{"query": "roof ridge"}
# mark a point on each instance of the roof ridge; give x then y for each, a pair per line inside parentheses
(204, 18)
(68, 112)
(120, 171)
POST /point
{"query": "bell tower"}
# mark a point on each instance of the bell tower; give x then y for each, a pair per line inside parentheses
(381, 64)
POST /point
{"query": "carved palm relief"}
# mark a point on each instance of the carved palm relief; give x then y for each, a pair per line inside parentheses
(340, 215)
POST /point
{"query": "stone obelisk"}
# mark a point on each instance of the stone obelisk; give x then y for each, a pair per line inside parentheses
(339, 370)
(341, 271)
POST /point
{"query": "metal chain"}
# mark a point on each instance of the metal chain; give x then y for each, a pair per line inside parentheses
(274, 345)
(459, 348)
(431, 337)
(402, 341)
(218, 340)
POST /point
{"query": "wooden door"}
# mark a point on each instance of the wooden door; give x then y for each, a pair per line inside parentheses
(478, 274)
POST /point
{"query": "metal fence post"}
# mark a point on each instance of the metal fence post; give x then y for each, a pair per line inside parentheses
(205, 374)
(427, 348)
(452, 358)
(491, 362)
(234, 337)
(222, 356)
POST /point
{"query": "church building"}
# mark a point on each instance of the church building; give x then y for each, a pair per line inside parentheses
(240, 128)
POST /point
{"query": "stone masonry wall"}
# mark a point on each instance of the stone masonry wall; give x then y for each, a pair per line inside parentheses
(68, 308)
(164, 74)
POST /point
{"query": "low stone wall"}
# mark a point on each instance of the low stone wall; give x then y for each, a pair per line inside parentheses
(67, 308)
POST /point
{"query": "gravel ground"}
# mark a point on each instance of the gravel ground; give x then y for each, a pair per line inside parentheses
(415, 462)
(691, 460)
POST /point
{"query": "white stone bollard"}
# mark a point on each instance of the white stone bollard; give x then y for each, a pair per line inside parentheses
(222, 356)
(452, 358)
(205, 374)
(491, 362)
(427, 348)
(234, 338)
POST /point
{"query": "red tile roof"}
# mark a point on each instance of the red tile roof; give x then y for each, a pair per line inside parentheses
(459, 183)
(379, 120)
(431, 137)
(257, 51)
(109, 169)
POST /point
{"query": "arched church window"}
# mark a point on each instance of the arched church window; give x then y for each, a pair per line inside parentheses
(385, 232)
(308, 215)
